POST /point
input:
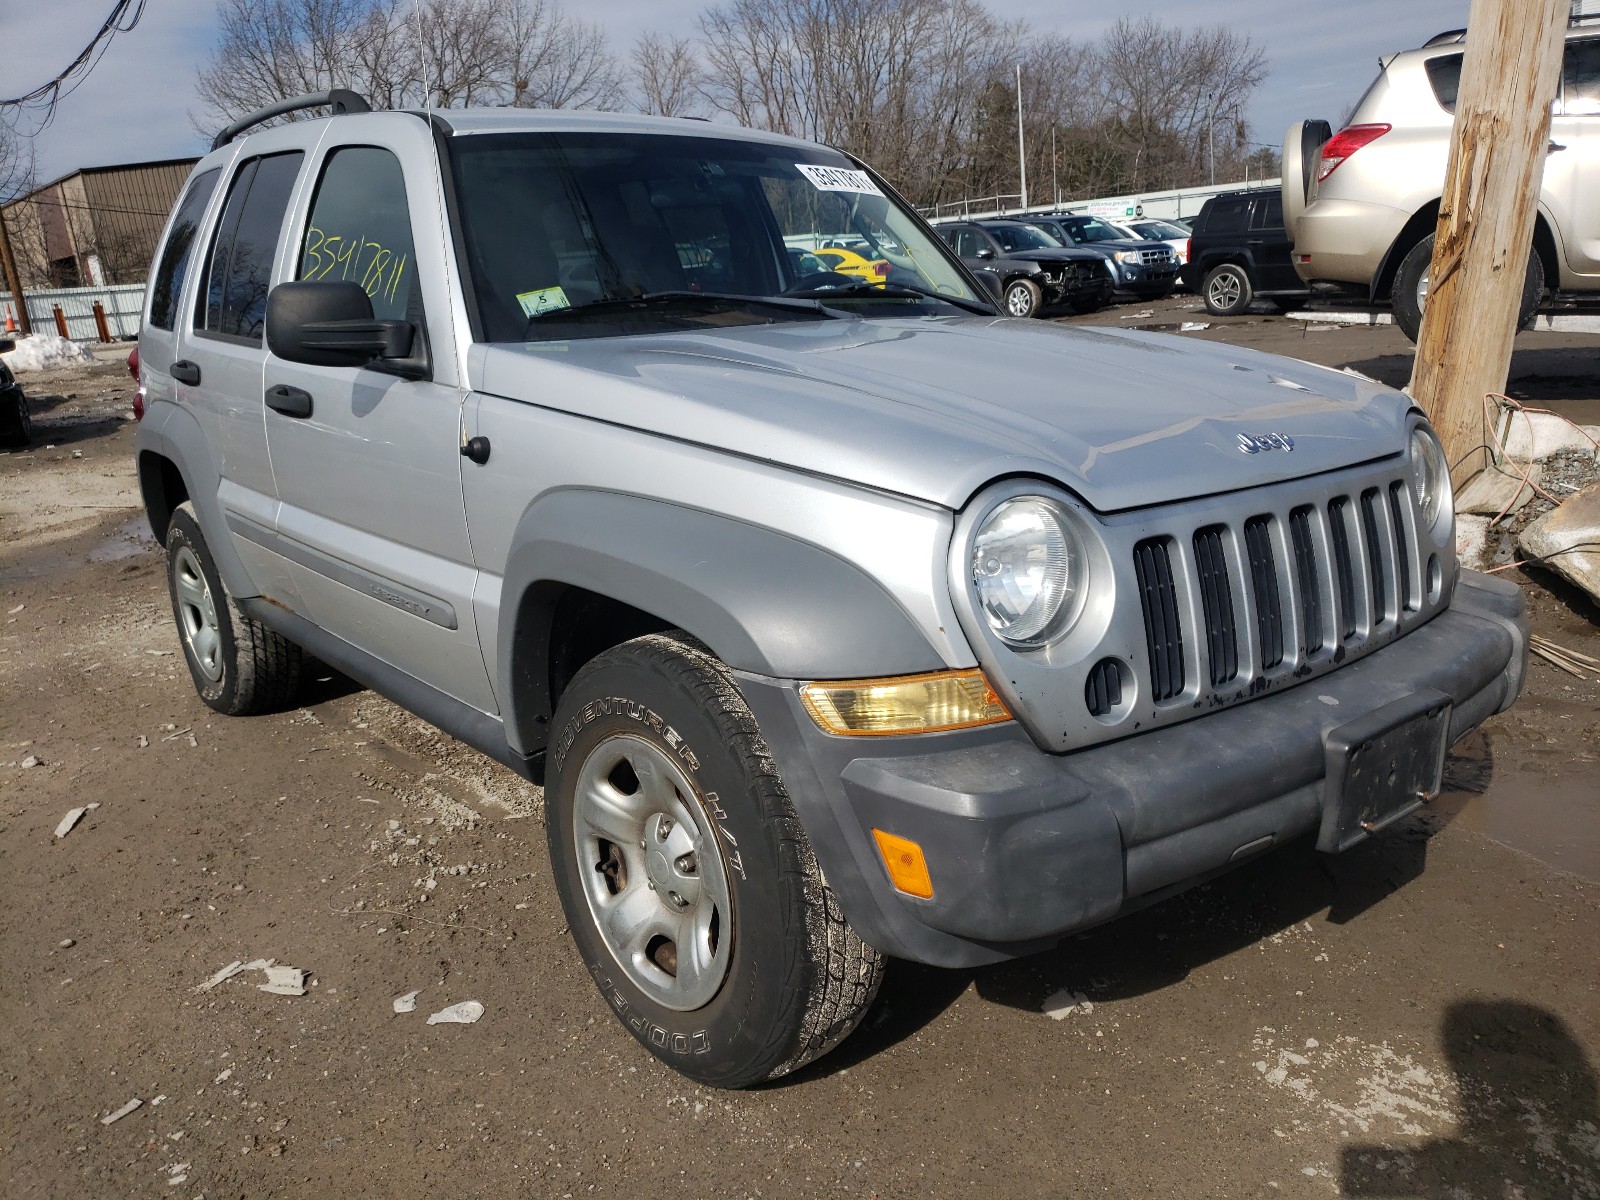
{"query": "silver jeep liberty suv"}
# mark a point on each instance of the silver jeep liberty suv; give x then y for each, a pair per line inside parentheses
(841, 618)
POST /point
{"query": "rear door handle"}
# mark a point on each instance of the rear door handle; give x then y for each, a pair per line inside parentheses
(185, 371)
(290, 401)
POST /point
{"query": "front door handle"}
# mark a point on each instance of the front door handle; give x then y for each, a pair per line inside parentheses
(185, 371)
(290, 401)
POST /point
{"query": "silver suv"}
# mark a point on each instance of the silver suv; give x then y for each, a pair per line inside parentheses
(1362, 208)
(840, 618)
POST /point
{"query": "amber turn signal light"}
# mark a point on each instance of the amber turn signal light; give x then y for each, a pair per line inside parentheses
(929, 703)
(908, 869)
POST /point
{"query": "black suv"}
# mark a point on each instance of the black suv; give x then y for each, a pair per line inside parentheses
(1148, 269)
(1239, 250)
(1031, 267)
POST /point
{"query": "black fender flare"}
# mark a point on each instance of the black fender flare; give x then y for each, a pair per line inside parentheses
(763, 601)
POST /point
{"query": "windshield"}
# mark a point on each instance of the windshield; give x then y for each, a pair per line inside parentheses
(557, 222)
(1161, 230)
(1023, 237)
(1092, 229)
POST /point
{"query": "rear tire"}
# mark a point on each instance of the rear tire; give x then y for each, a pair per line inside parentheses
(239, 666)
(1410, 291)
(1023, 298)
(674, 842)
(1227, 290)
(22, 434)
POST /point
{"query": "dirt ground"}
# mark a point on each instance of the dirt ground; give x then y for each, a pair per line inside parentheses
(1419, 1017)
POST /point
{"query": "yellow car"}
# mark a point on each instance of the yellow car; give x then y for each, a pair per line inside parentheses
(847, 262)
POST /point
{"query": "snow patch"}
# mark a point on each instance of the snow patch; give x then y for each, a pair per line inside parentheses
(43, 351)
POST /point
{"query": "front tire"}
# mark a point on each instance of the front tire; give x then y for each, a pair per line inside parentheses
(1023, 298)
(1410, 292)
(1155, 293)
(1227, 290)
(691, 891)
(239, 666)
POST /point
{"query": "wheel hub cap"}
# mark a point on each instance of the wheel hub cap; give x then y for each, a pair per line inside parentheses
(651, 873)
(197, 614)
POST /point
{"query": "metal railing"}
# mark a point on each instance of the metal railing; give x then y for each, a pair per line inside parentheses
(122, 304)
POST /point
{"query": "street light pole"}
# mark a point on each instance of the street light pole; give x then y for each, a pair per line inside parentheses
(1022, 150)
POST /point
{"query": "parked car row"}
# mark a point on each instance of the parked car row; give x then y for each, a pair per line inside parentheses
(1032, 269)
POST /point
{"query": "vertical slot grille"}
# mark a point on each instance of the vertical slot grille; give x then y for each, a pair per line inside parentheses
(1152, 567)
(1402, 544)
(1264, 582)
(1216, 598)
(1375, 555)
(1103, 691)
(1344, 569)
(1305, 565)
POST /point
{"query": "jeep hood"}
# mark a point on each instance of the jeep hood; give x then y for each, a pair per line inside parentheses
(934, 408)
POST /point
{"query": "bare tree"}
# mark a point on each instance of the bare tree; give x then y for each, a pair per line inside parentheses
(398, 53)
(666, 76)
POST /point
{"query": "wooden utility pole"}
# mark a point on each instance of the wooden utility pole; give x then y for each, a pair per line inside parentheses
(1491, 191)
(13, 281)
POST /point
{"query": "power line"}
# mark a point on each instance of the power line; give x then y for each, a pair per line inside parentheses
(125, 14)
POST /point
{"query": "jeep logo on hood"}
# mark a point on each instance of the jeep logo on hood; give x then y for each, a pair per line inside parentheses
(1255, 444)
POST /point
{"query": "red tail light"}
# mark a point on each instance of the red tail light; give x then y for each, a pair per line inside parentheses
(1188, 250)
(1345, 143)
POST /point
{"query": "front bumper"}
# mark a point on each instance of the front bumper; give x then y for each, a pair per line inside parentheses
(1024, 847)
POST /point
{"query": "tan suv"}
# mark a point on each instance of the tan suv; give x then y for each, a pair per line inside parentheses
(1362, 205)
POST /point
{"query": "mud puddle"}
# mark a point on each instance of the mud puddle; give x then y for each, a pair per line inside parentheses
(1525, 803)
(128, 540)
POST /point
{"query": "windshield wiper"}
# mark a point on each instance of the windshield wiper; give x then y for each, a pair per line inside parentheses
(671, 299)
(896, 291)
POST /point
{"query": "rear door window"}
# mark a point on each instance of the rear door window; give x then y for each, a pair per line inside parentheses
(175, 255)
(1580, 79)
(360, 230)
(1268, 212)
(239, 269)
(1444, 73)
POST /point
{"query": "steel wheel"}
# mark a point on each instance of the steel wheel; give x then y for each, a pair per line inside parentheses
(197, 613)
(651, 872)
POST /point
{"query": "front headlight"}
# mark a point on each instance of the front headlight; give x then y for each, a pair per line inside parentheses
(1029, 570)
(1430, 480)
(1127, 256)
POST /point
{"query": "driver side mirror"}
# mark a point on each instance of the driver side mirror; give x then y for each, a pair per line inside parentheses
(330, 324)
(986, 253)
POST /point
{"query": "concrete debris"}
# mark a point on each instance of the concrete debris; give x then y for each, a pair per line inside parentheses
(74, 815)
(1193, 326)
(113, 1118)
(1497, 492)
(1472, 541)
(1539, 435)
(284, 981)
(1567, 539)
(11, 612)
(464, 1013)
(1149, 312)
(33, 760)
(1058, 1006)
(224, 1077)
(408, 1002)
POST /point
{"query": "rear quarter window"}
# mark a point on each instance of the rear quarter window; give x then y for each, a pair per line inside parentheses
(1444, 75)
(176, 254)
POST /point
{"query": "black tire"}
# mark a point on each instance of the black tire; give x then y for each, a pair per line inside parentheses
(794, 979)
(21, 432)
(239, 666)
(1087, 304)
(1022, 298)
(1227, 290)
(1407, 296)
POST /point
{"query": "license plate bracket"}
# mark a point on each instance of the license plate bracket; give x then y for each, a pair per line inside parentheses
(1383, 766)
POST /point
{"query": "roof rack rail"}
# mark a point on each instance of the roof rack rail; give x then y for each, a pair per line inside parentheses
(1448, 36)
(343, 100)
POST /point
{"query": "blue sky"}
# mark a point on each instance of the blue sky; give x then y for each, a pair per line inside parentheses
(137, 103)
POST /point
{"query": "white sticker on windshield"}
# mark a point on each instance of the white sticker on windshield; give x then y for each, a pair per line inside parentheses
(838, 179)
